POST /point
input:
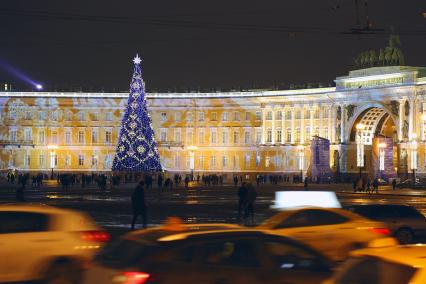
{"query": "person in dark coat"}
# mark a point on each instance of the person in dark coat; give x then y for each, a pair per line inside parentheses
(138, 204)
(251, 198)
(242, 200)
(394, 184)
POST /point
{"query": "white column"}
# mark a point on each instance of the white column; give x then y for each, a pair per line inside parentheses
(292, 126)
(411, 128)
(302, 125)
(330, 114)
(422, 123)
(334, 123)
(343, 124)
(401, 119)
(311, 123)
(263, 125)
(283, 131)
(321, 130)
(273, 127)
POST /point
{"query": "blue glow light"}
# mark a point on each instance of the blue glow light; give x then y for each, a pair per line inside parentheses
(39, 87)
(19, 74)
(136, 148)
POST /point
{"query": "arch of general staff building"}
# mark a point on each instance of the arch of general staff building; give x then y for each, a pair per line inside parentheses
(373, 121)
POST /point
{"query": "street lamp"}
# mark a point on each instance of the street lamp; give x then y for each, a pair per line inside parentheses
(192, 150)
(382, 147)
(52, 149)
(301, 151)
(413, 163)
(360, 147)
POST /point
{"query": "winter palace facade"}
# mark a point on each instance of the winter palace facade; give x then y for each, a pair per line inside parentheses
(381, 109)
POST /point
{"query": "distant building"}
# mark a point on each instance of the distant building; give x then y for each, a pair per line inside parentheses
(253, 132)
(7, 87)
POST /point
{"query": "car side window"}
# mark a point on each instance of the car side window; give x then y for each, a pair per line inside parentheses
(381, 212)
(298, 219)
(288, 256)
(238, 253)
(321, 218)
(408, 212)
(22, 222)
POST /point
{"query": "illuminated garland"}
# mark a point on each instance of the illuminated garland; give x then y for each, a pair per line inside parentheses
(136, 148)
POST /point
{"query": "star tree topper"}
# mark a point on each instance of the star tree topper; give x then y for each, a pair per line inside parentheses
(137, 59)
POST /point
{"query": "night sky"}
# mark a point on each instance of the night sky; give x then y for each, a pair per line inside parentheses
(68, 45)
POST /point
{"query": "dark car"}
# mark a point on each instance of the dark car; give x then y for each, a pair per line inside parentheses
(221, 256)
(405, 222)
(408, 183)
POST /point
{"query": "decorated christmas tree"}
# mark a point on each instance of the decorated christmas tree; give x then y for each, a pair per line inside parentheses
(136, 148)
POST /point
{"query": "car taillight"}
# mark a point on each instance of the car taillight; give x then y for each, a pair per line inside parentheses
(381, 231)
(94, 236)
(130, 277)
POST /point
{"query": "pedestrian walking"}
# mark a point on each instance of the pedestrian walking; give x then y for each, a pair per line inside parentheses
(138, 204)
(305, 183)
(376, 185)
(251, 198)
(186, 182)
(242, 200)
(235, 181)
(394, 184)
(368, 185)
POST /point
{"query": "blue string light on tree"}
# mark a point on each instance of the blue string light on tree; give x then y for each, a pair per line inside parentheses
(136, 148)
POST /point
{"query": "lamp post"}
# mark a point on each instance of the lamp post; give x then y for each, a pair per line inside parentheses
(301, 151)
(192, 150)
(360, 148)
(382, 147)
(413, 163)
(52, 149)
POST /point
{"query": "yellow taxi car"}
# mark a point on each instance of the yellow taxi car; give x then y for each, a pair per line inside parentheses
(39, 242)
(214, 253)
(333, 231)
(386, 265)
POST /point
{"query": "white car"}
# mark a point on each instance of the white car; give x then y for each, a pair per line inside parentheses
(39, 242)
(334, 232)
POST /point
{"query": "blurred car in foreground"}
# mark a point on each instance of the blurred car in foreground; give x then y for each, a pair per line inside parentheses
(388, 265)
(332, 231)
(39, 242)
(200, 256)
(405, 222)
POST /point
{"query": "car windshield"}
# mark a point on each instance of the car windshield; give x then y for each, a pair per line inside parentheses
(275, 220)
(123, 252)
(374, 270)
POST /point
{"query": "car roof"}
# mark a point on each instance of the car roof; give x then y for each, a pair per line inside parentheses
(413, 255)
(378, 205)
(283, 214)
(36, 208)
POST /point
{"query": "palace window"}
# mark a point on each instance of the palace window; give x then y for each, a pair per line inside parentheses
(201, 116)
(81, 116)
(189, 117)
(54, 137)
(247, 115)
(41, 115)
(267, 161)
(95, 116)
(12, 115)
(269, 115)
(163, 135)
(94, 160)
(213, 161)
(325, 112)
(325, 133)
(94, 136)
(41, 135)
(68, 116)
(235, 162)
(27, 160)
(247, 137)
(68, 137)
(298, 114)
(317, 131)
(236, 116)
(258, 136)
(189, 137)
(225, 137)
(258, 115)
(54, 115)
(277, 161)
(247, 161)
(178, 116)
(28, 115)
(224, 161)
(163, 116)
(213, 136)
(28, 134)
(81, 136)
(279, 115)
(213, 116)
(68, 160)
(108, 136)
(297, 137)
(257, 159)
(225, 116)
(177, 135)
(316, 114)
(279, 136)
(308, 114)
(81, 160)
(269, 136)
(176, 161)
(288, 135)
(41, 160)
(288, 115)
(201, 137)
(236, 137)
(308, 133)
